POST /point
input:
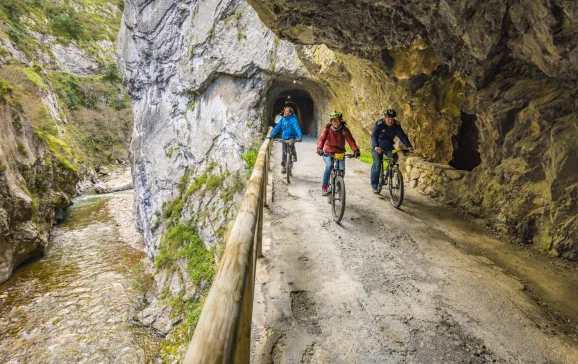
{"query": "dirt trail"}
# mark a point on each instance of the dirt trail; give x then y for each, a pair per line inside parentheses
(390, 286)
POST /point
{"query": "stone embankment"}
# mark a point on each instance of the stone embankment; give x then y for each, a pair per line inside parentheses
(431, 179)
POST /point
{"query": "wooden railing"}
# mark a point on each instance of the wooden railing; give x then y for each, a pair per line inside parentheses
(223, 334)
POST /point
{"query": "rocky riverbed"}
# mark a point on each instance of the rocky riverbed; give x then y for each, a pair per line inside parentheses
(75, 303)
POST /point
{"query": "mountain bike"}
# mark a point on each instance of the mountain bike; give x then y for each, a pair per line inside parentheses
(289, 161)
(337, 185)
(390, 175)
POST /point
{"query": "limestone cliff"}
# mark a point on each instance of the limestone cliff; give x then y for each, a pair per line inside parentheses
(485, 86)
(63, 113)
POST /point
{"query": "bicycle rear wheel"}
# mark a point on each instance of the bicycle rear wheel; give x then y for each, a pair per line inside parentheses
(338, 199)
(396, 187)
(289, 166)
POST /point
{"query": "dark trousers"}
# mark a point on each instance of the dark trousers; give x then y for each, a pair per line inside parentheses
(284, 147)
(377, 163)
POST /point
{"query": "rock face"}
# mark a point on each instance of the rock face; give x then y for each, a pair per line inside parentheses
(197, 73)
(56, 126)
(492, 81)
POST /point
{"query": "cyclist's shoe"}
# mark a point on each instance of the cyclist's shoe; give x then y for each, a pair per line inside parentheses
(294, 158)
(375, 190)
(284, 170)
(324, 191)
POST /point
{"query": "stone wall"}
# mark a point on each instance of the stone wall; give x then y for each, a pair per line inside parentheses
(431, 179)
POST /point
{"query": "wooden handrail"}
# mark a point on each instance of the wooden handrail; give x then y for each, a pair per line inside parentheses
(223, 334)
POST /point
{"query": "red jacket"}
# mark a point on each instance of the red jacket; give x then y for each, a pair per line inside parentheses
(333, 141)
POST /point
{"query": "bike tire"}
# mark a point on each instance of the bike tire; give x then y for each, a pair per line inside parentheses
(396, 187)
(289, 164)
(338, 199)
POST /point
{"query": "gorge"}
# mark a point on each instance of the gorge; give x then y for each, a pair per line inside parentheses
(487, 92)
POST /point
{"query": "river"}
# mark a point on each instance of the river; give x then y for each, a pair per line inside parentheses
(74, 304)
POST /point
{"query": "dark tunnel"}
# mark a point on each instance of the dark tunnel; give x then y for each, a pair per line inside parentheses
(305, 97)
(303, 106)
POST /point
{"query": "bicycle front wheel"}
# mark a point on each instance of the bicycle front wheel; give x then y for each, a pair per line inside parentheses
(396, 187)
(338, 199)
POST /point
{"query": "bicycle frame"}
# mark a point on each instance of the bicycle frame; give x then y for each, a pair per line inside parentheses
(387, 177)
(391, 162)
(289, 161)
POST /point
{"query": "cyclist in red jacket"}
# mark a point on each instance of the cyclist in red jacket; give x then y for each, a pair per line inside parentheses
(332, 140)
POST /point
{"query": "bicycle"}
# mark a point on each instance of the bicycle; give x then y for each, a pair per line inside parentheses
(392, 177)
(337, 185)
(289, 161)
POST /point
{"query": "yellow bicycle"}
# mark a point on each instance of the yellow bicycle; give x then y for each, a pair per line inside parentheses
(390, 175)
(337, 186)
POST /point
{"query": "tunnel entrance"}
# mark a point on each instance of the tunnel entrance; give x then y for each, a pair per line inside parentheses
(466, 155)
(303, 106)
(306, 98)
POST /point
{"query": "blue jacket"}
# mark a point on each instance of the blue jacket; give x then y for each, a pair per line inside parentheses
(290, 128)
(382, 135)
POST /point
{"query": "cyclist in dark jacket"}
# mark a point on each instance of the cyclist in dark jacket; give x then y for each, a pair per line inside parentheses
(384, 131)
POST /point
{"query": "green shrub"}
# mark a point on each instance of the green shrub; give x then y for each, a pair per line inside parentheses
(365, 157)
(22, 149)
(183, 242)
(67, 25)
(5, 90)
(250, 158)
(111, 73)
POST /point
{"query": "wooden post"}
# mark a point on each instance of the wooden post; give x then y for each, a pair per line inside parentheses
(266, 177)
(259, 232)
(243, 346)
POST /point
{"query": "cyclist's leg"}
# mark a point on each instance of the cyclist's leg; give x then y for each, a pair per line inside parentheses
(327, 173)
(388, 154)
(284, 153)
(341, 165)
(294, 151)
(377, 161)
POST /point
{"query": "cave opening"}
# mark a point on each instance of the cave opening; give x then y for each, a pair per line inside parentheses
(303, 106)
(466, 155)
(307, 98)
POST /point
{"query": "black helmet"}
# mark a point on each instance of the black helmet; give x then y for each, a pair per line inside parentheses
(390, 113)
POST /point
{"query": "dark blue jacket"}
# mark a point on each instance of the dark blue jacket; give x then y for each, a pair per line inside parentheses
(289, 126)
(382, 135)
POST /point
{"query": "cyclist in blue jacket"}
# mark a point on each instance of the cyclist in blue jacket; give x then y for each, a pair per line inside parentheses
(384, 131)
(290, 129)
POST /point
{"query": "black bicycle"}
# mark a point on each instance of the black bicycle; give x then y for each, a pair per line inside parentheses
(337, 185)
(289, 160)
(391, 176)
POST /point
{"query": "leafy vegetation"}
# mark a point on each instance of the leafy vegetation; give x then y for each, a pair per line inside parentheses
(99, 115)
(182, 242)
(365, 157)
(5, 90)
(81, 21)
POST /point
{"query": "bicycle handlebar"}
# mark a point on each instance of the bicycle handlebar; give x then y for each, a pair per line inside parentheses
(331, 154)
(403, 151)
(288, 141)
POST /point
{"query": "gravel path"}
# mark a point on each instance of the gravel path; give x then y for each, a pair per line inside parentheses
(417, 285)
